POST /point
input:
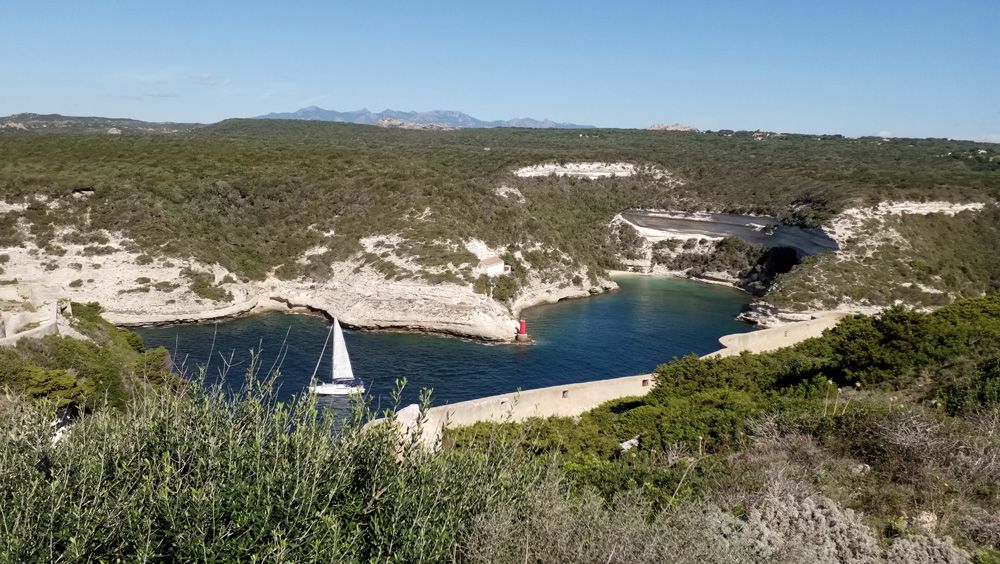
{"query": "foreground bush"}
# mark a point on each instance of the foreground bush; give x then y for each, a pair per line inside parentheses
(102, 372)
(192, 476)
(802, 530)
(892, 416)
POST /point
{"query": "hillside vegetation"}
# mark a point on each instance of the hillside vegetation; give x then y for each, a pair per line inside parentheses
(894, 417)
(253, 195)
(108, 369)
(877, 442)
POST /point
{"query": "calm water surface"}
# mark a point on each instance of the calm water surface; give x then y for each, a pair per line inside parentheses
(627, 332)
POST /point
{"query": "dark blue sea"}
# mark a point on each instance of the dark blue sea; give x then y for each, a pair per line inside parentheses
(631, 331)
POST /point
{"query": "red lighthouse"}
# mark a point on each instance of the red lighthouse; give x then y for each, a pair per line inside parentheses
(522, 333)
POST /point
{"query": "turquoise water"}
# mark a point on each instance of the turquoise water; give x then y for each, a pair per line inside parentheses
(647, 322)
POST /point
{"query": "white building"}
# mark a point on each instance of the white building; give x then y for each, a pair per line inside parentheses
(493, 266)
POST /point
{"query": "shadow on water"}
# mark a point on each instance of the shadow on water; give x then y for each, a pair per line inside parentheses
(628, 332)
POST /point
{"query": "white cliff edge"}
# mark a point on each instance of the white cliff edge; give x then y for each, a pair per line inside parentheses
(136, 289)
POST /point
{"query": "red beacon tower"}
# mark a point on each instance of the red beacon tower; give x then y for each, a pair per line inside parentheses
(522, 332)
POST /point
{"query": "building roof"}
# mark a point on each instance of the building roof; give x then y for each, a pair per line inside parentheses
(490, 261)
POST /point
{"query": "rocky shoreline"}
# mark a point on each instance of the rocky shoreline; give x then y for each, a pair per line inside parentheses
(134, 289)
(502, 329)
(852, 236)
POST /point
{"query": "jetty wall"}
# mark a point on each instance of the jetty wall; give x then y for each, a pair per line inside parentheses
(776, 337)
(11, 325)
(570, 400)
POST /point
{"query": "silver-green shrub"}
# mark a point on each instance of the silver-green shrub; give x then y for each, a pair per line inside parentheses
(923, 548)
(196, 476)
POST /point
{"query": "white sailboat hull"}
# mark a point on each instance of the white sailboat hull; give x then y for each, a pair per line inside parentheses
(343, 382)
(337, 389)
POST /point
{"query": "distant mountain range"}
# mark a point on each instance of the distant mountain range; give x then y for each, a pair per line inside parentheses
(442, 118)
(433, 120)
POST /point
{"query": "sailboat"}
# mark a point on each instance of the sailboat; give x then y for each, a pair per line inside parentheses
(342, 381)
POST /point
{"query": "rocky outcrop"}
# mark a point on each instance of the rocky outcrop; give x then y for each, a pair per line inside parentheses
(589, 171)
(136, 289)
(127, 318)
(385, 286)
(672, 127)
(363, 298)
(598, 170)
(402, 124)
(537, 291)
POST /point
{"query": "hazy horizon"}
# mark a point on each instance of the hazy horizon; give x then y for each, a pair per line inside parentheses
(904, 69)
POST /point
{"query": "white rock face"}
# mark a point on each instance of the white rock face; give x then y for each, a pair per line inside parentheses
(869, 224)
(135, 289)
(537, 291)
(598, 170)
(672, 127)
(13, 125)
(583, 170)
(7, 208)
(505, 191)
(356, 294)
(363, 297)
(114, 280)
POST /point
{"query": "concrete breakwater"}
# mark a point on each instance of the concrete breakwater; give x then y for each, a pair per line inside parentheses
(47, 320)
(15, 326)
(776, 337)
(565, 401)
(570, 400)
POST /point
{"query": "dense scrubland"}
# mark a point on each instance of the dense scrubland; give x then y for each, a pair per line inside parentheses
(892, 417)
(877, 442)
(107, 370)
(254, 195)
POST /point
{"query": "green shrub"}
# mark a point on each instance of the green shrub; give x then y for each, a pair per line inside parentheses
(166, 286)
(203, 286)
(981, 391)
(106, 371)
(192, 475)
(481, 285)
(252, 195)
(59, 386)
(503, 288)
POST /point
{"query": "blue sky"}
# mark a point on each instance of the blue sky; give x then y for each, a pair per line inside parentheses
(907, 68)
